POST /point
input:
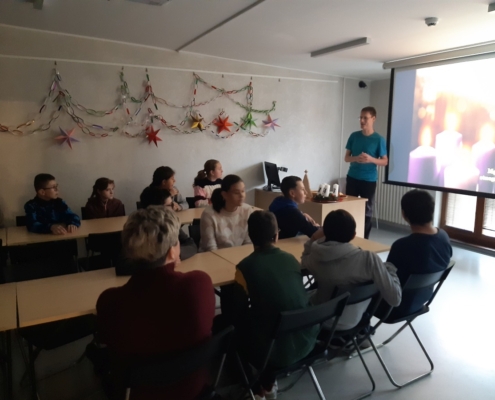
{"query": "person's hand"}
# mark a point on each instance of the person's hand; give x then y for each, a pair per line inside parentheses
(365, 158)
(58, 229)
(176, 206)
(174, 191)
(71, 228)
(318, 234)
(310, 220)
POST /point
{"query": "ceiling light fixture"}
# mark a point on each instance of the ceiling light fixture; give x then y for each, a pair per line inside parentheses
(491, 7)
(341, 46)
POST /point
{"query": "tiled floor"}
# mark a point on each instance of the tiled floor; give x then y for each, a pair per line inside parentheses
(458, 334)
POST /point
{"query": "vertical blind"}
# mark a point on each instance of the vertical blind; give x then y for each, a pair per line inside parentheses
(489, 218)
(461, 211)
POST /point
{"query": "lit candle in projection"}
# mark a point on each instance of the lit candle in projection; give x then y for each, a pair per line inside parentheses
(448, 144)
(463, 174)
(484, 157)
(423, 161)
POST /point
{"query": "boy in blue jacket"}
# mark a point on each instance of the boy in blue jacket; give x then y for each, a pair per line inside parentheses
(47, 213)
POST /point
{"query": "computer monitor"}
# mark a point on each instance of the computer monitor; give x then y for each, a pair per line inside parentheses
(273, 180)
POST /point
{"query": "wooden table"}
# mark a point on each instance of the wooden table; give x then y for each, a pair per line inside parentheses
(356, 206)
(8, 322)
(294, 246)
(19, 235)
(67, 296)
(3, 236)
(8, 311)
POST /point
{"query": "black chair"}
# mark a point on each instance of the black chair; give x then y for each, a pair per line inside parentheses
(109, 245)
(191, 202)
(294, 321)
(20, 220)
(179, 366)
(359, 294)
(138, 205)
(195, 231)
(84, 213)
(415, 283)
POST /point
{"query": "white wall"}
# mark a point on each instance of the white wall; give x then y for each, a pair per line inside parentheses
(309, 108)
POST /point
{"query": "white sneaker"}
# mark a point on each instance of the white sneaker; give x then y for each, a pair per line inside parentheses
(258, 397)
(272, 394)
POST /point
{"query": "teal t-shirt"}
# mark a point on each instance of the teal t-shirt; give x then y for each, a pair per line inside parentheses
(374, 145)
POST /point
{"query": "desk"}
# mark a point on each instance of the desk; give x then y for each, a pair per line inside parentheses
(67, 296)
(294, 246)
(19, 235)
(356, 206)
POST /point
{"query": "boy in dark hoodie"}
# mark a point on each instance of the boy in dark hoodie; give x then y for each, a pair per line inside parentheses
(47, 213)
(292, 221)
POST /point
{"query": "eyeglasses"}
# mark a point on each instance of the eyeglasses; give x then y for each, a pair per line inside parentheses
(52, 187)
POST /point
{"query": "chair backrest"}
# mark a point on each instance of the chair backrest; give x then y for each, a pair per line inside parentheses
(357, 293)
(191, 202)
(176, 367)
(20, 220)
(195, 231)
(138, 205)
(84, 213)
(419, 282)
(292, 321)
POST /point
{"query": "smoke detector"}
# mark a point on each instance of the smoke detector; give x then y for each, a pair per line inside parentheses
(431, 21)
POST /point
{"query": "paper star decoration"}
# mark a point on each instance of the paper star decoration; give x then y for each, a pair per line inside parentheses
(66, 137)
(271, 123)
(152, 135)
(249, 122)
(198, 122)
(223, 124)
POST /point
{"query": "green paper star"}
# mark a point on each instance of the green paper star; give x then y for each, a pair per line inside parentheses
(249, 122)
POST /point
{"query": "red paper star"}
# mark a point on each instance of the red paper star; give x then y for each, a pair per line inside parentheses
(223, 124)
(152, 135)
(66, 137)
(271, 123)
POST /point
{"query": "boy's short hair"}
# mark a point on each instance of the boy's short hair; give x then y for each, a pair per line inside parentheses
(149, 234)
(262, 228)
(370, 110)
(155, 197)
(339, 226)
(418, 207)
(41, 180)
(288, 183)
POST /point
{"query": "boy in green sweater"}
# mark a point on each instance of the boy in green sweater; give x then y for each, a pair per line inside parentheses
(272, 280)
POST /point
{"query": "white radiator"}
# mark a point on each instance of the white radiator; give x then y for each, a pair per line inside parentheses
(387, 200)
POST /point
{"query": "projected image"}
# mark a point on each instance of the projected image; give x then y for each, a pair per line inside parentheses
(452, 127)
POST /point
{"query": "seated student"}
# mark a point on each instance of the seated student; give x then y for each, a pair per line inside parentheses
(47, 213)
(427, 249)
(162, 197)
(291, 220)
(207, 180)
(102, 204)
(164, 178)
(272, 280)
(158, 311)
(224, 224)
(335, 262)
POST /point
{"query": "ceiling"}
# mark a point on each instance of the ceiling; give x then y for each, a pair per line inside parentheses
(276, 32)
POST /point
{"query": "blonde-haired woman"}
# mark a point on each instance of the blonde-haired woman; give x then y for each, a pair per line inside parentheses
(159, 310)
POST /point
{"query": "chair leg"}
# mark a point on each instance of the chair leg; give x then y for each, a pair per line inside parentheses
(373, 386)
(389, 375)
(244, 376)
(316, 383)
(32, 372)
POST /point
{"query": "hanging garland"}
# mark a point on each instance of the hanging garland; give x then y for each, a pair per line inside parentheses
(67, 103)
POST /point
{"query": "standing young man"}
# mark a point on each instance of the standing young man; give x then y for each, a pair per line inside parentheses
(365, 150)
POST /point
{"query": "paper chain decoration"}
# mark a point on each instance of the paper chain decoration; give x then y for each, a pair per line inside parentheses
(66, 102)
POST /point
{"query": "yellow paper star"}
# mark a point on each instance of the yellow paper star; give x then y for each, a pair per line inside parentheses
(198, 122)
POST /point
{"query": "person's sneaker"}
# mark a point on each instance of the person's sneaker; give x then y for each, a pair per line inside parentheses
(272, 394)
(365, 345)
(258, 397)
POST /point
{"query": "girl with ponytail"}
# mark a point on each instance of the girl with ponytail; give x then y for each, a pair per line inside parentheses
(224, 224)
(207, 180)
(102, 204)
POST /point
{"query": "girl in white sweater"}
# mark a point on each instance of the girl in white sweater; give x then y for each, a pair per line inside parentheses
(224, 223)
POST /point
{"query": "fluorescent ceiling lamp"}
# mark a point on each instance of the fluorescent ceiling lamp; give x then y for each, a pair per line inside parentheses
(491, 7)
(342, 46)
(450, 54)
